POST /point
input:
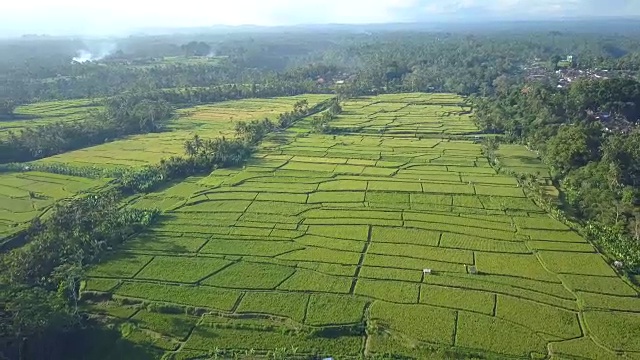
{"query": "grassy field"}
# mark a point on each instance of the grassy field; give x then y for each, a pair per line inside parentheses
(183, 60)
(321, 236)
(208, 121)
(43, 113)
(24, 196)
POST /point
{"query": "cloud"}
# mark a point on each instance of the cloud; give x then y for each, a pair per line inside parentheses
(117, 16)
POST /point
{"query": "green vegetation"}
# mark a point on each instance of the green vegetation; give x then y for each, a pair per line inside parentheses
(177, 326)
(584, 347)
(246, 275)
(322, 194)
(541, 318)
(456, 298)
(616, 330)
(290, 305)
(392, 291)
(589, 142)
(200, 296)
(328, 309)
(290, 251)
(477, 331)
(420, 322)
(24, 196)
(181, 269)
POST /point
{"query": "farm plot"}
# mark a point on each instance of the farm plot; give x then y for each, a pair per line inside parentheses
(388, 221)
(24, 196)
(43, 113)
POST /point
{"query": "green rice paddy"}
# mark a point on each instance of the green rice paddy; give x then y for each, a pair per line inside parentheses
(24, 196)
(320, 237)
(42, 113)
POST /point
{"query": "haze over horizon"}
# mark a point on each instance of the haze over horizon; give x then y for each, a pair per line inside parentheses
(118, 17)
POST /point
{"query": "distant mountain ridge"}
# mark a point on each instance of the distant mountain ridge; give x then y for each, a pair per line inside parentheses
(587, 25)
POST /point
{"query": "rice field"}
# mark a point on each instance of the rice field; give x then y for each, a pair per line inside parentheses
(208, 121)
(24, 196)
(389, 226)
(42, 113)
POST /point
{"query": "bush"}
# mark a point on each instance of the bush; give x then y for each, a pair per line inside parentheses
(166, 308)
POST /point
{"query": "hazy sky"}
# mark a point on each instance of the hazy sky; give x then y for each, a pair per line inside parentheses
(121, 16)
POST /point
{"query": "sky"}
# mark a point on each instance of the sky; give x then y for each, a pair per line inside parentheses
(119, 17)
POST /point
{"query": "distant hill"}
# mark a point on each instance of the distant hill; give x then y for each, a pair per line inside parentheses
(580, 25)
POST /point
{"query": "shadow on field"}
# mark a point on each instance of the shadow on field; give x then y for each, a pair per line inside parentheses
(93, 342)
(527, 160)
(280, 138)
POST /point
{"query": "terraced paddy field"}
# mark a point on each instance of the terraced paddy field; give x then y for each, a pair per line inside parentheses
(24, 196)
(520, 160)
(207, 121)
(43, 113)
(320, 245)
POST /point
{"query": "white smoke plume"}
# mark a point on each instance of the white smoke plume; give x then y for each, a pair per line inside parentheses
(83, 56)
(95, 52)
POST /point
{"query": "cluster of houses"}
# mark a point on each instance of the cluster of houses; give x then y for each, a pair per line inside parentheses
(568, 75)
(564, 74)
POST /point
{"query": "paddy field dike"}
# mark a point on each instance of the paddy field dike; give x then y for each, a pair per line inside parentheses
(393, 235)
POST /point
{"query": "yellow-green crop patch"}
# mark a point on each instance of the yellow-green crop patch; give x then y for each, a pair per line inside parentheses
(322, 255)
(385, 273)
(336, 197)
(289, 305)
(306, 280)
(583, 347)
(248, 247)
(616, 330)
(27, 195)
(525, 266)
(43, 113)
(459, 241)
(391, 291)
(200, 296)
(576, 263)
(181, 269)
(419, 322)
(599, 284)
(456, 298)
(400, 262)
(540, 318)
(246, 275)
(357, 232)
(123, 265)
(330, 243)
(404, 235)
(610, 302)
(423, 252)
(477, 331)
(329, 309)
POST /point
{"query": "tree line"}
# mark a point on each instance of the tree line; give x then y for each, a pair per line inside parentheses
(320, 123)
